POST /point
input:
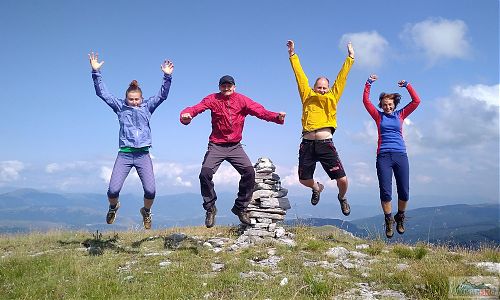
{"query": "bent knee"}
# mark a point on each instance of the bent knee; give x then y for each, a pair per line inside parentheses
(112, 194)
(248, 172)
(149, 193)
(342, 179)
(206, 173)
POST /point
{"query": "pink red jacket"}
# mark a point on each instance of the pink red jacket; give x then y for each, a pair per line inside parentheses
(228, 115)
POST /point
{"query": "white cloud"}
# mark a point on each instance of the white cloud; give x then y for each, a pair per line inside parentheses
(369, 135)
(413, 137)
(10, 170)
(439, 38)
(227, 175)
(362, 175)
(423, 178)
(290, 177)
(467, 118)
(369, 47)
(480, 92)
(105, 173)
(180, 182)
(61, 167)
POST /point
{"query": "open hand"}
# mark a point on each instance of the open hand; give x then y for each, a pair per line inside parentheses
(291, 47)
(94, 63)
(350, 50)
(167, 67)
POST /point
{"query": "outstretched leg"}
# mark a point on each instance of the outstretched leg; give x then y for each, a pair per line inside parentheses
(121, 169)
(330, 161)
(240, 161)
(307, 165)
(144, 167)
(214, 156)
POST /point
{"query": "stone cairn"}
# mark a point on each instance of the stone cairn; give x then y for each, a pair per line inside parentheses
(268, 206)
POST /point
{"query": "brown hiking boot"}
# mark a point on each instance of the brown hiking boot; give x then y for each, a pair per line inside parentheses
(344, 206)
(242, 215)
(146, 218)
(111, 215)
(389, 222)
(210, 216)
(400, 226)
(315, 194)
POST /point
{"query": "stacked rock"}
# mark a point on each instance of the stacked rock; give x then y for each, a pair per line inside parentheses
(269, 203)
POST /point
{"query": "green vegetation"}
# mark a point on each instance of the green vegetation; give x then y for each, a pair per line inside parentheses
(137, 265)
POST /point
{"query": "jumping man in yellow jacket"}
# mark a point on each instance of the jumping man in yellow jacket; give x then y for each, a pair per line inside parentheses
(319, 121)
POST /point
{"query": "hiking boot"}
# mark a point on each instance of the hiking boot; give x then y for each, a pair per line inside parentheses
(389, 222)
(110, 217)
(400, 226)
(315, 194)
(344, 206)
(146, 218)
(242, 215)
(210, 216)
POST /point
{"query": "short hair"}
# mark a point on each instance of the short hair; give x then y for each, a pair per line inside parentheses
(395, 97)
(322, 77)
(133, 87)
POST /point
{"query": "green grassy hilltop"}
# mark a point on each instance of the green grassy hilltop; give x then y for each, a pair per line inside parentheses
(199, 263)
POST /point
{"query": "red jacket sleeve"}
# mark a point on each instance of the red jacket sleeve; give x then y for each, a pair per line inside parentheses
(257, 110)
(410, 107)
(368, 104)
(196, 109)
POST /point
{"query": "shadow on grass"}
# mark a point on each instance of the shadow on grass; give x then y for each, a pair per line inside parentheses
(97, 244)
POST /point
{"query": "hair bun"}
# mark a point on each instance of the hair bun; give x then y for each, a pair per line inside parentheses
(134, 83)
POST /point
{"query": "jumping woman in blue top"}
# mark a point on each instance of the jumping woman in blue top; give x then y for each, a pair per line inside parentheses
(391, 150)
(133, 114)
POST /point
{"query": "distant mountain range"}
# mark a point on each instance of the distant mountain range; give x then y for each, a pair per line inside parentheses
(453, 225)
(25, 210)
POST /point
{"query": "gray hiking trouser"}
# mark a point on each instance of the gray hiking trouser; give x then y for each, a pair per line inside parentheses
(236, 156)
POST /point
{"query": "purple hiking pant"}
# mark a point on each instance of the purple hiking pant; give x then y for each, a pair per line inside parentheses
(124, 162)
(236, 156)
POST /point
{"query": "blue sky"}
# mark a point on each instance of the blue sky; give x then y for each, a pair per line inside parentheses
(59, 136)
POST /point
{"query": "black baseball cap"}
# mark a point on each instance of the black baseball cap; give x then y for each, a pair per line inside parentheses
(226, 79)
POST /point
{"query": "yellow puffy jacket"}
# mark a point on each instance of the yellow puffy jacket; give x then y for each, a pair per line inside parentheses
(319, 111)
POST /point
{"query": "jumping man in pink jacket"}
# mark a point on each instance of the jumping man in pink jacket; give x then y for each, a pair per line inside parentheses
(228, 111)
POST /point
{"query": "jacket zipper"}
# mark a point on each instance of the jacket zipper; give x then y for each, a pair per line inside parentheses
(230, 117)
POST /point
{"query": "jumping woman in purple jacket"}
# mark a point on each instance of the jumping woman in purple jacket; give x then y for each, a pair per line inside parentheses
(133, 114)
(391, 150)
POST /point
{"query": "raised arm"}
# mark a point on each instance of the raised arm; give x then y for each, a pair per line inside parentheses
(339, 84)
(415, 100)
(100, 88)
(370, 108)
(167, 67)
(257, 110)
(300, 76)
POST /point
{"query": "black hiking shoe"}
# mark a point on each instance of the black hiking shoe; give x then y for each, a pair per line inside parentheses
(210, 216)
(400, 226)
(110, 217)
(146, 218)
(389, 232)
(344, 206)
(315, 194)
(242, 215)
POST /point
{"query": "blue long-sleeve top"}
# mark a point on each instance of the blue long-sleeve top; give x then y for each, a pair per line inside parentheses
(134, 121)
(390, 126)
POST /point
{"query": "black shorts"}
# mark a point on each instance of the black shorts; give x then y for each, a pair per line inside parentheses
(312, 151)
